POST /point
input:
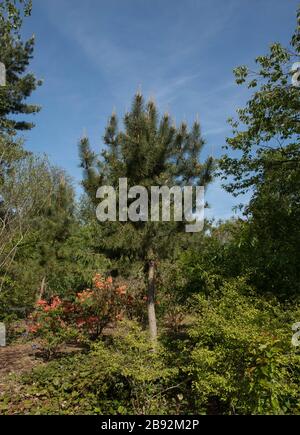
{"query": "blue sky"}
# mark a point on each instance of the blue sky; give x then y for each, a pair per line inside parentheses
(93, 55)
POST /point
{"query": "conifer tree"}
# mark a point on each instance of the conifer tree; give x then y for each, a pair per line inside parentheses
(148, 151)
(16, 55)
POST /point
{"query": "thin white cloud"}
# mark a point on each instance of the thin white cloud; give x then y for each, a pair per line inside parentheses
(126, 67)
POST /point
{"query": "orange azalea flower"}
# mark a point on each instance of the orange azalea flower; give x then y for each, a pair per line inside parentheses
(85, 295)
(97, 277)
(41, 303)
(121, 290)
(32, 329)
(47, 308)
(99, 285)
(56, 302)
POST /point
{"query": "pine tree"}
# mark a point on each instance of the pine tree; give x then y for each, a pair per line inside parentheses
(148, 152)
(53, 228)
(16, 55)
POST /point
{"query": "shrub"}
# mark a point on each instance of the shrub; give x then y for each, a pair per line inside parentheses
(60, 321)
(122, 376)
(48, 322)
(240, 354)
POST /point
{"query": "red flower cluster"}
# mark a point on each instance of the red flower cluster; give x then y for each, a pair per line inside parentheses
(85, 295)
(121, 291)
(38, 319)
(56, 302)
(33, 329)
(100, 283)
(92, 309)
(109, 280)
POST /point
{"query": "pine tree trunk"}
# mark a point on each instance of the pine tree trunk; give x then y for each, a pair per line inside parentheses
(151, 302)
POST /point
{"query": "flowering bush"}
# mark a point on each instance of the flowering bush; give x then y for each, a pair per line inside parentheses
(101, 305)
(48, 322)
(59, 321)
